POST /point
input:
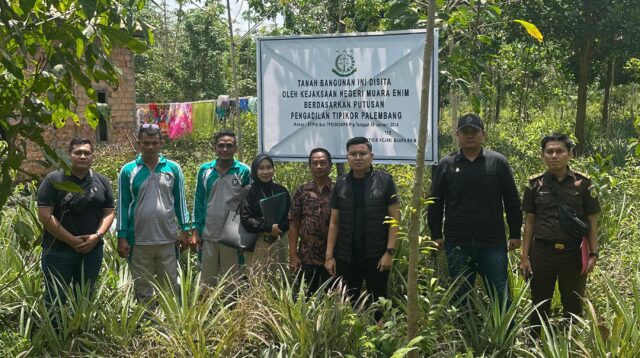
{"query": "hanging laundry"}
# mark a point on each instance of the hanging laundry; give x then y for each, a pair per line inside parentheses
(223, 104)
(202, 117)
(180, 120)
(253, 105)
(160, 115)
(143, 115)
(220, 113)
(243, 104)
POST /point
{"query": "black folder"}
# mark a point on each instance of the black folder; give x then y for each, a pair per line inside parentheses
(274, 208)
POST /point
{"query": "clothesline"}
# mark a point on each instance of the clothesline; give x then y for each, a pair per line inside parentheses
(182, 118)
(202, 101)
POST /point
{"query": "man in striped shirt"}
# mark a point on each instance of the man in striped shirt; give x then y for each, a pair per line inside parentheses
(152, 215)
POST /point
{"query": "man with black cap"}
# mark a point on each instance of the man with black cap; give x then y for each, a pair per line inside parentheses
(472, 188)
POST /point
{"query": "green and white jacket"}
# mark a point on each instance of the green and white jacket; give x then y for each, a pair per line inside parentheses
(151, 206)
(216, 195)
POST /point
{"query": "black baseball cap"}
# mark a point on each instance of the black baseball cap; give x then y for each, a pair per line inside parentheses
(472, 120)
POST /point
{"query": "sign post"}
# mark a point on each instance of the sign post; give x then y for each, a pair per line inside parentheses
(320, 91)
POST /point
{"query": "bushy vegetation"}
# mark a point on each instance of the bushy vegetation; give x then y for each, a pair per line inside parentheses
(270, 317)
(522, 88)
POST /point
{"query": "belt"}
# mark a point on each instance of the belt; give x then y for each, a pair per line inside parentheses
(558, 245)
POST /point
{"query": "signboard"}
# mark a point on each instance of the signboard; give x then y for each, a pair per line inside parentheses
(320, 91)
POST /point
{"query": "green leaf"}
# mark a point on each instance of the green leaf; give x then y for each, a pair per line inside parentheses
(27, 5)
(79, 48)
(67, 186)
(410, 347)
(484, 39)
(9, 63)
(137, 45)
(16, 160)
(88, 7)
(25, 233)
(118, 36)
(17, 9)
(92, 115)
(56, 157)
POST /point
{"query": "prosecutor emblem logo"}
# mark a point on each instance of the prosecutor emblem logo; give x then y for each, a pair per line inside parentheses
(345, 64)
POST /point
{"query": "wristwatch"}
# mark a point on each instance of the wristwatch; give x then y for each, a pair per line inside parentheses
(594, 254)
(99, 235)
(391, 251)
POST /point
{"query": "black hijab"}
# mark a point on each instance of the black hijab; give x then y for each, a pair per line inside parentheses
(254, 173)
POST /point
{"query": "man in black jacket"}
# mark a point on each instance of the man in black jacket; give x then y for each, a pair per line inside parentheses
(360, 246)
(472, 188)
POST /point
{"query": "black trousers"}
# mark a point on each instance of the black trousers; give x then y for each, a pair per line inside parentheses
(313, 276)
(550, 265)
(354, 275)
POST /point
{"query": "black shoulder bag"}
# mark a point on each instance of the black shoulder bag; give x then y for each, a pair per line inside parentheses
(76, 203)
(571, 221)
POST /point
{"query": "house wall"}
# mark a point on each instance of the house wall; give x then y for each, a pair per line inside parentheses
(122, 102)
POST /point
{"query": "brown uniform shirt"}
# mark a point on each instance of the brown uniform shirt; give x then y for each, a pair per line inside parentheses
(576, 190)
(311, 207)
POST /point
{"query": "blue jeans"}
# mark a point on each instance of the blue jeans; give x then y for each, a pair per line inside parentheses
(62, 267)
(489, 262)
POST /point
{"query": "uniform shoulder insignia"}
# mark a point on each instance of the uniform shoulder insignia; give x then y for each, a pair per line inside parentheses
(582, 174)
(531, 180)
(535, 176)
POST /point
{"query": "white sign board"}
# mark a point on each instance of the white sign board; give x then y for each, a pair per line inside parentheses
(320, 91)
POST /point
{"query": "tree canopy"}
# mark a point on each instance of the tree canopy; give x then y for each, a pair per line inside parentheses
(49, 50)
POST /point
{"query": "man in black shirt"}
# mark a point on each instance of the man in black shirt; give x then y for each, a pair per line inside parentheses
(360, 246)
(74, 223)
(472, 188)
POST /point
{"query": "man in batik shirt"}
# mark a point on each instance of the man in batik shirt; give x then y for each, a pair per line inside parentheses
(309, 220)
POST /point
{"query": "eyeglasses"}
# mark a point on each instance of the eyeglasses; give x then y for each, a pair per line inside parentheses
(149, 125)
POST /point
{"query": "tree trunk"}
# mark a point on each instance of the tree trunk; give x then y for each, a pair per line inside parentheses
(237, 123)
(416, 201)
(583, 81)
(455, 101)
(523, 84)
(165, 29)
(608, 84)
(496, 117)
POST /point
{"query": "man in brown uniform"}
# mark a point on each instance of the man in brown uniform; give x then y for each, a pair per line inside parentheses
(548, 252)
(309, 219)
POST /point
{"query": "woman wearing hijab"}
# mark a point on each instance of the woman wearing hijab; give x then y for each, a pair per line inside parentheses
(269, 247)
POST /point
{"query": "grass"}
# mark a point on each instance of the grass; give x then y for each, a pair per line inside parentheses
(268, 316)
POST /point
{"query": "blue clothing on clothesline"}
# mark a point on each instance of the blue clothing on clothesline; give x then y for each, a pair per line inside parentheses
(244, 104)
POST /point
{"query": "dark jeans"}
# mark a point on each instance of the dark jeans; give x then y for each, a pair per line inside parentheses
(489, 262)
(313, 276)
(62, 266)
(550, 264)
(354, 275)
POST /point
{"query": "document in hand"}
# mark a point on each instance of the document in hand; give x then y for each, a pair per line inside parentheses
(584, 254)
(274, 208)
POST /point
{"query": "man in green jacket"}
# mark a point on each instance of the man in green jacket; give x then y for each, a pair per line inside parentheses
(218, 190)
(152, 214)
